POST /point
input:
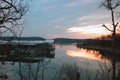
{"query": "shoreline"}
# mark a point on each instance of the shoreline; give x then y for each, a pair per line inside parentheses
(99, 48)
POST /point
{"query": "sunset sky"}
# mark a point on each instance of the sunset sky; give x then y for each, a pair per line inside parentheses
(66, 18)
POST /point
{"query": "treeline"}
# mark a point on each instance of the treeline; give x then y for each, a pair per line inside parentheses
(103, 41)
(97, 42)
(68, 40)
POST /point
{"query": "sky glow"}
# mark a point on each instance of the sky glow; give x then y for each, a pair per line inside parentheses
(66, 18)
(91, 29)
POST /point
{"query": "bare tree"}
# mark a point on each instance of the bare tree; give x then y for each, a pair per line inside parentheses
(10, 12)
(112, 5)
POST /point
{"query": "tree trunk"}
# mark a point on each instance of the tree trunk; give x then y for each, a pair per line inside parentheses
(113, 46)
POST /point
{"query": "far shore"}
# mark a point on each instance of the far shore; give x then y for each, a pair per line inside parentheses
(109, 49)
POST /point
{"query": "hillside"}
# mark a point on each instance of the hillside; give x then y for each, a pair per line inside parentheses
(68, 40)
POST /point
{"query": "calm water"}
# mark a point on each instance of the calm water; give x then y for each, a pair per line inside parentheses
(83, 57)
(48, 69)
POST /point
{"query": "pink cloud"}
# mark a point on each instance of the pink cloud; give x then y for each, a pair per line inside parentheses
(81, 35)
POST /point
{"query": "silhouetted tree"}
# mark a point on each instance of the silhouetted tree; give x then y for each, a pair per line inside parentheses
(11, 11)
(112, 5)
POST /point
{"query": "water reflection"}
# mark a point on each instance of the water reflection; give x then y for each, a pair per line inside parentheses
(48, 67)
(26, 53)
(25, 62)
(84, 53)
(26, 71)
(106, 53)
(36, 71)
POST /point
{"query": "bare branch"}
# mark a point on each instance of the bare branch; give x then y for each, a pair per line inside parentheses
(11, 4)
(118, 4)
(12, 10)
(110, 4)
(116, 24)
(107, 28)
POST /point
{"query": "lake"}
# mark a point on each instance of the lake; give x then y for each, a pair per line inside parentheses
(87, 62)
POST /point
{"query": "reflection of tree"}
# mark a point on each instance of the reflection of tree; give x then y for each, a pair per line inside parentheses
(34, 71)
(105, 71)
(5, 70)
(35, 66)
(118, 71)
(112, 5)
(95, 53)
(69, 72)
(41, 70)
(2, 71)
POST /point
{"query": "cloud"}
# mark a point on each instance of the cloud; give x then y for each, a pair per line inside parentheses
(78, 2)
(89, 31)
(52, 17)
(59, 19)
(94, 16)
(93, 19)
(79, 35)
(55, 23)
